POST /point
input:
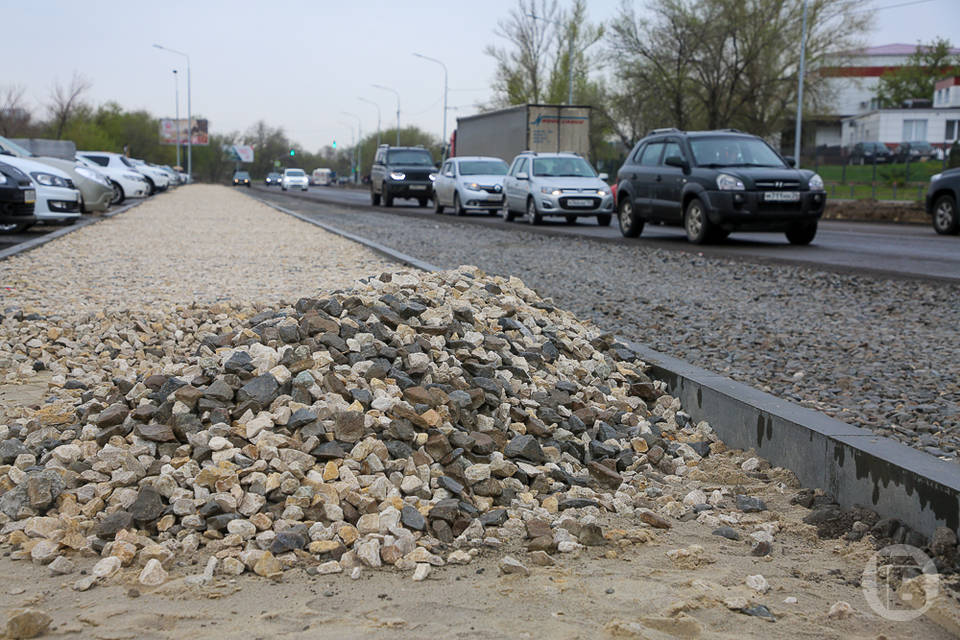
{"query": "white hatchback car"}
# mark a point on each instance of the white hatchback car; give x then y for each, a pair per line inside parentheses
(58, 200)
(126, 181)
(294, 179)
(555, 184)
(470, 182)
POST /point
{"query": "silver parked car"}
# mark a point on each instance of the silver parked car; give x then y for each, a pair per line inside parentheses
(470, 182)
(555, 184)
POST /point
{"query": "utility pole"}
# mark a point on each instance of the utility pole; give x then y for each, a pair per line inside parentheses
(799, 129)
(397, 93)
(378, 116)
(559, 25)
(176, 93)
(189, 113)
(443, 136)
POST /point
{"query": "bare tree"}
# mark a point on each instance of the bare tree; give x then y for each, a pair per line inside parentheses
(521, 74)
(64, 100)
(14, 115)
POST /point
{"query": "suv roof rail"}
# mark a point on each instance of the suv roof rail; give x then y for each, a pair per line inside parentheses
(731, 130)
(664, 130)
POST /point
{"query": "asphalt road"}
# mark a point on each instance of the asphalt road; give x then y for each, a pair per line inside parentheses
(911, 251)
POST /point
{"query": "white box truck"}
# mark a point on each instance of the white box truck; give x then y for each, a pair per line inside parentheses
(544, 128)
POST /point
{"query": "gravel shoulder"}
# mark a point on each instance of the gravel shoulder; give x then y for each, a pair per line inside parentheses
(873, 352)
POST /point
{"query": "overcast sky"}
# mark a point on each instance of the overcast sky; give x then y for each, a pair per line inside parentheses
(300, 64)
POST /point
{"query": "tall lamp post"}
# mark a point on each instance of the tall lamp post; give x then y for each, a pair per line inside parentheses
(189, 113)
(378, 116)
(396, 93)
(443, 137)
(559, 25)
(799, 129)
(358, 153)
(176, 93)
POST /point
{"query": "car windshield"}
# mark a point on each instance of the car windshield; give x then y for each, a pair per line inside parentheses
(734, 151)
(483, 168)
(875, 146)
(14, 148)
(241, 174)
(273, 175)
(565, 166)
(921, 145)
(410, 156)
(295, 172)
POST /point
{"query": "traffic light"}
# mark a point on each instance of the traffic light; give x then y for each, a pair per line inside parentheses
(334, 144)
(293, 152)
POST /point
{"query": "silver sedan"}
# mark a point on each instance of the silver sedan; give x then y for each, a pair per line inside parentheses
(470, 183)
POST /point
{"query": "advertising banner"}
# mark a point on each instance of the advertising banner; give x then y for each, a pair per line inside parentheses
(168, 131)
(243, 152)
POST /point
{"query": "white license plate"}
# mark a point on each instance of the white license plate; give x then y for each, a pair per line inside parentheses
(29, 196)
(418, 187)
(579, 202)
(781, 196)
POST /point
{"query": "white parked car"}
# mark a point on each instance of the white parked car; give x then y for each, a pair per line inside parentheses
(157, 177)
(294, 179)
(126, 182)
(470, 182)
(58, 200)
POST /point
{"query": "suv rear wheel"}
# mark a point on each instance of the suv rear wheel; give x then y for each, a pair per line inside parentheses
(946, 221)
(533, 216)
(802, 234)
(631, 225)
(695, 222)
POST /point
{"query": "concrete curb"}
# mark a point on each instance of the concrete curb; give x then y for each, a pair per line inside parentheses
(855, 466)
(29, 245)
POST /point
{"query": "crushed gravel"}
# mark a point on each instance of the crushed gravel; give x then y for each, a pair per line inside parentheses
(874, 352)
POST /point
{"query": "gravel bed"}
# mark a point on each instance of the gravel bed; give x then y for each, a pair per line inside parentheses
(876, 353)
(176, 249)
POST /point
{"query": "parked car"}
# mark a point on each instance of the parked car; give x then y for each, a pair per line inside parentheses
(58, 200)
(241, 179)
(294, 179)
(714, 183)
(273, 179)
(17, 199)
(94, 187)
(915, 151)
(401, 172)
(175, 177)
(943, 194)
(124, 182)
(158, 179)
(555, 184)
(870, 152)
(470, 182)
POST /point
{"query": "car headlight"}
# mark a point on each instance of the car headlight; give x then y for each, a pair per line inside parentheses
(48, 179)
(601, 193)
(816, 182)
(433, 177)
(935, 177)
(727, 182)
(90, 174)
(553, 191)
(397, 175)
(472, 186)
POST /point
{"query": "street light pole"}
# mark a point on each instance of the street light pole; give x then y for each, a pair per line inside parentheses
(799, 129)
(189, 113)
(397, 93)
(559, 24)
(378, 116)
(443, 137)
(359, 156)
(176, 93)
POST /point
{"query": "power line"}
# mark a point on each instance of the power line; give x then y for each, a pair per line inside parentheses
(893, 6)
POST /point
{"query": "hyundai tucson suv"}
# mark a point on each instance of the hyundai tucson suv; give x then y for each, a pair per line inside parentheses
(716, 182)
(17, 198)
(942, 198)
(402, 172)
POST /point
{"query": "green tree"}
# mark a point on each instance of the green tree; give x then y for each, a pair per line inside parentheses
(917, 79)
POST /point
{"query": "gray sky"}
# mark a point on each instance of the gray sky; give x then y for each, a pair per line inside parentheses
(300, 64)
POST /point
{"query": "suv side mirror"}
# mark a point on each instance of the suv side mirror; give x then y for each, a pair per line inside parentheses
(790, 160)
(523, 176)
(604, 176)
(677, 161)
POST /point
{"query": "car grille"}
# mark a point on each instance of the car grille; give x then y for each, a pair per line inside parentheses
(17, 209)
(774, 185)
(417, 175)
(492, 188)
(594, 202)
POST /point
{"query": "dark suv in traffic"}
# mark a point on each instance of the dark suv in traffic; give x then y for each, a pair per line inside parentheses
(714, 183)
(402, 172)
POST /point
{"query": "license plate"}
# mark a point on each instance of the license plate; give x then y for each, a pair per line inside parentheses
(418, 187)
(579, 202)
(781, 196)
(29, 196)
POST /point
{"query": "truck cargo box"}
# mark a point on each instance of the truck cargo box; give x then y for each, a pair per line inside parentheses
(535, 127)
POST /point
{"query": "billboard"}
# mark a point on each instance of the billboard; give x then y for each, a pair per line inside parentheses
(168, 131)
(242, 152)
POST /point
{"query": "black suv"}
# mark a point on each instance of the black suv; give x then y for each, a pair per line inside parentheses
(402, 172)
(17, 199)
(716, 182)
(942, 198)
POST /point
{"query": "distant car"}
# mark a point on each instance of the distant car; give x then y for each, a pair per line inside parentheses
(915, 151)
(401, 172)
(272, 179)
(124, 181)
(714, 183)
(943, 194)
(470, 182)
(555, 184)
(294, 179)
(241, 179)
(868, 152)
(17, 199)
(95, 189)
(321, 177)
(58, 200)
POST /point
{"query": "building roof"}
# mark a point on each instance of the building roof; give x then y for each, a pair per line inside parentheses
(896, 49)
